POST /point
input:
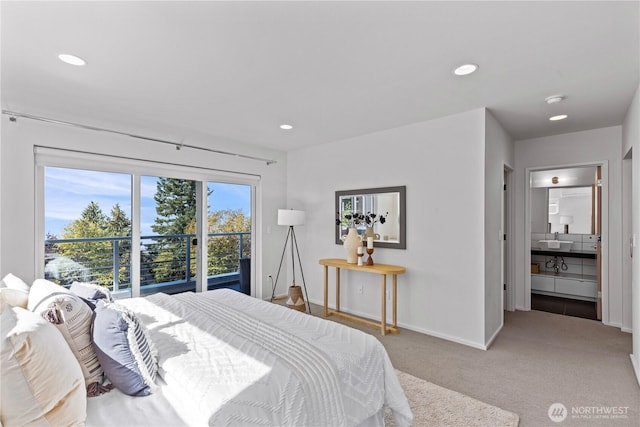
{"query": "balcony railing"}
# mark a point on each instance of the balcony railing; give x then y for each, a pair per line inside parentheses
(167, 262)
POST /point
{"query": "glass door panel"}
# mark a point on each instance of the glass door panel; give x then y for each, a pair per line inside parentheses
(88, 228)
(229, 230)
(167, 235)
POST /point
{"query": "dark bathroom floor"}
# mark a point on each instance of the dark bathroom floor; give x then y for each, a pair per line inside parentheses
(566, 306)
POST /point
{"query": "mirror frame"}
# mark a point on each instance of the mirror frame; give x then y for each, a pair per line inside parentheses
(402, 190)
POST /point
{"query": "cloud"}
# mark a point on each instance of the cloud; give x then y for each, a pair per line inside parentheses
(83, 182)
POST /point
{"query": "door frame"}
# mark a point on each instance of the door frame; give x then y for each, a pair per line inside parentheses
(604, 232)
(508, 246)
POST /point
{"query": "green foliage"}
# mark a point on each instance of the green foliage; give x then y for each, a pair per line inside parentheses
(175, 210)
(223, 250)
(96, 257)
(162, 260)
(175, 205)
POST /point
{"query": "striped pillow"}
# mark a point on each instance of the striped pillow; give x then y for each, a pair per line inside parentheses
(91, 291)
(73, 318)
(124, 349)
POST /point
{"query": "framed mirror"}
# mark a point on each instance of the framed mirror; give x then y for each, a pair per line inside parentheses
(388, 206)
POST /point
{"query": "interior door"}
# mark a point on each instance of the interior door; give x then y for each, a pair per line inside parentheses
(597, 230)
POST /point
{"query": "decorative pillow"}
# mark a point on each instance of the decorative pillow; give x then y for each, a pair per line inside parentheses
(73, 318)
(13, 282)
(91, 291)
(42, 383)
(124, 349)
(14, 297)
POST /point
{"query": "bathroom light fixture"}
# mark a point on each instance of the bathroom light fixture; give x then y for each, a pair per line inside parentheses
(286, 127)
(465, 69)
(72, 59)
(554, 99)
(554, 180)
(558, 117)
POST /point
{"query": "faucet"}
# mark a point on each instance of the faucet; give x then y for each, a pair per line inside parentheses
(555, 235)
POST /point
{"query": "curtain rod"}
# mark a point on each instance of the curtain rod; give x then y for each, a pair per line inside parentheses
(179, 145)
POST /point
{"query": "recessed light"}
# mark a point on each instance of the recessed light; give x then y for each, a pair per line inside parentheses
(286, 127)
(465, 69)
(558, 117)
(554, 99)
(72, 59)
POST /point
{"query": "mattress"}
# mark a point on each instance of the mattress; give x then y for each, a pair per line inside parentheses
(228, 359)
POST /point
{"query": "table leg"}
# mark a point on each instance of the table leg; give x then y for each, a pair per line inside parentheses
(383, 308)
(395, 301)
(326, 291)
(338, 289)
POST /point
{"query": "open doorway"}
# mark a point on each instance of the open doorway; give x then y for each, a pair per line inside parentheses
(508, 300)
(565, 213)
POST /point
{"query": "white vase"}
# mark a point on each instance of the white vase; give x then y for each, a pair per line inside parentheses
(351, 242)
(369, 233)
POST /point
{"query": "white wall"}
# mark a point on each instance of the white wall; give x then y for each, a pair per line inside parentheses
(498, 154)
(569, 149)
(441, 162)
(17, 184)
(631, 139)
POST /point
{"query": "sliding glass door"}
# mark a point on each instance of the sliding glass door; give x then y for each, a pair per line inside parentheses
(90, 218)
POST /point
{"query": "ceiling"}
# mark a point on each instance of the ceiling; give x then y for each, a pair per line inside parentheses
(203, 72)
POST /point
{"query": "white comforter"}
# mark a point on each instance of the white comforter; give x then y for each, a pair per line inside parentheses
(229, 359)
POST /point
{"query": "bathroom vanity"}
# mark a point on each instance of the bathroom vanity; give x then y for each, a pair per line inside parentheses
(566, 273)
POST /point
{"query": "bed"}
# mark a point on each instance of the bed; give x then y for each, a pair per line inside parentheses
(193, 359)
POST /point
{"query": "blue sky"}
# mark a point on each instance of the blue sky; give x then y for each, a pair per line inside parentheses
(69, 191)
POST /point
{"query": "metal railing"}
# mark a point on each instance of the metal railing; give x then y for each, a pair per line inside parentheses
(166, 261)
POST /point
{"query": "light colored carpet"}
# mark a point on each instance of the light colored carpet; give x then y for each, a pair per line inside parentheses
(433, 405)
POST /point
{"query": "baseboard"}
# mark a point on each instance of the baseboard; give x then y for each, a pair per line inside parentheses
(462, 341)
(627, 330)
(636, 368)
(493, 337)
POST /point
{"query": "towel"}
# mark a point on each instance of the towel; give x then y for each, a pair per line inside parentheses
(553, 244)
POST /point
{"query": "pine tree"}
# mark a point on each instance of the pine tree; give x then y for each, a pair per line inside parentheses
(79, 258)
(175, 210)
(175, 205)
(118, 224)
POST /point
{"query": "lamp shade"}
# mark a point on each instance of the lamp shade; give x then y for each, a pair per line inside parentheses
(290, 217)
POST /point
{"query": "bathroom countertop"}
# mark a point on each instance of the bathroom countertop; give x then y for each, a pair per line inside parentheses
(565, 275)
(572, 254)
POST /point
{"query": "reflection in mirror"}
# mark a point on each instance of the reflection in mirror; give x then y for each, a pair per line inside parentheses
(387, 202)
(562, 200)
(570, 210)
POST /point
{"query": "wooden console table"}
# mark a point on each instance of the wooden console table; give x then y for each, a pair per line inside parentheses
(383, 270)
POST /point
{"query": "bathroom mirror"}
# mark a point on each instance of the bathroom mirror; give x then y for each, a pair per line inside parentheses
(567, 203)
(387, 201)
(570, 209)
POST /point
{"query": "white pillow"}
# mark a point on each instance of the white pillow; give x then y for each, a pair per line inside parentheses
(14, 297)
(42, 383)
(13, 282)
(73, 318)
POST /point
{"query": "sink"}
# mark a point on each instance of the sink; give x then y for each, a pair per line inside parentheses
(556, 245)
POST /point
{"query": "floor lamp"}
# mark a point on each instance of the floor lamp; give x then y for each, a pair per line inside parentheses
(290, 218)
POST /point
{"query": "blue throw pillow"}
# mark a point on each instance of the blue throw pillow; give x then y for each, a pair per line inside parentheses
(124, 349)
(91, 292)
